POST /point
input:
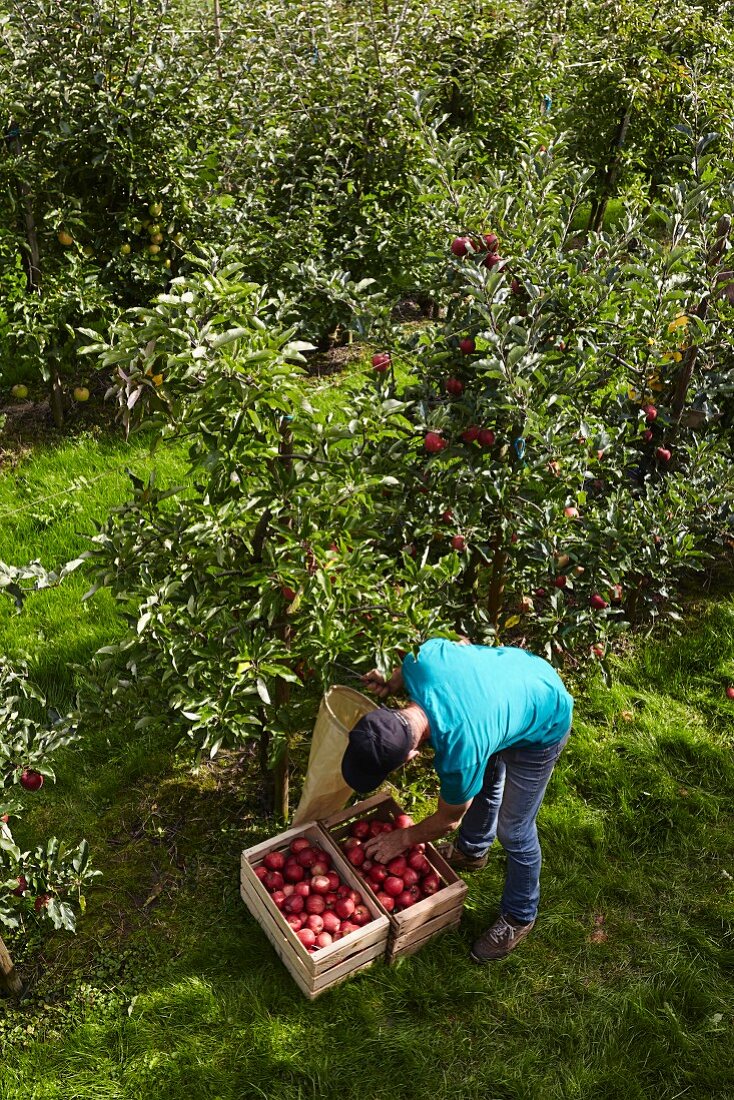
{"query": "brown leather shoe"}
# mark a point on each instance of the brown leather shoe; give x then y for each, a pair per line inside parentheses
(499, 940)
(455, 858)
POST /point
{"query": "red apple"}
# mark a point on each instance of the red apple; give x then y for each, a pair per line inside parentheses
(288, 593)
(386, 901)
(458, 542)
(323, 939)
(278, 898)
(375, 827)
(403, 821)
(315, 922)
(299, 844)
(397, 866)
(30, 780)
(306, 857)
(392, 886)
(261, 872)
(348, 926)
(295, 920)
(486, 437)
(289, 889)
(462, 246)
(651, 413)
(41, 902)
(648, 436)
(307, 937)
(273, 881)
(571, 512)
(470, 434)
(387, 827)
(320, 884)
(407, 898)
(447, 516)
(302, 888)
(560, 580)
(351, 842)
(361, 915)
(319, 868)
(315, 903)
(662, 454)
(360, 829)
(467, 346)
(378, 874)
(330, 900)
(293, 872)
(616, 593)
(366, 866)
(294, 904)
(431, 883)
(410, 877)
(729, 695)
(334, 880)
(454, 386)
(274, 861)
(492, 259)
(332, 923)
(417, 849)
(434, 443)
(344, 908)
(598, 602)
(21, 887)
(356, 856)
(491, 241)
(419, 863)
(381, 362)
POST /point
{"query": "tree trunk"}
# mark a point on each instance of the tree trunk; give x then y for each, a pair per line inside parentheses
(497, 581)
(596, 219)
(685, 372)
(281, 784)
(32, 262)
(10, 983)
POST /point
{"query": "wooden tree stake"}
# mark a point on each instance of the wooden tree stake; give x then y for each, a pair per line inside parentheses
(10, 983)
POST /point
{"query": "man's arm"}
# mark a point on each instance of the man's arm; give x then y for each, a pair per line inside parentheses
(386, 846)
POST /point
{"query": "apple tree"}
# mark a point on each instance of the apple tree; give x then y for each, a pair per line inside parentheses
(46, 881)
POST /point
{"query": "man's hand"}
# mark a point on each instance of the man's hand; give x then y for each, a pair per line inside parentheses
(375, 682)
(385, 846)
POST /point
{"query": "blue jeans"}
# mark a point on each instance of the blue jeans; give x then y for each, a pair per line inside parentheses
(506, 808)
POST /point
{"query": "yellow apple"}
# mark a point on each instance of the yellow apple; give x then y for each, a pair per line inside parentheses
(20, 391)
(65, 239)
(81, 393)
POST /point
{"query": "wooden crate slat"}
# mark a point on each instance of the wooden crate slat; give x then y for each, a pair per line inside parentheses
(435, 920)
(344, 969)
(407, 949)
(282, 949)
(341, 816)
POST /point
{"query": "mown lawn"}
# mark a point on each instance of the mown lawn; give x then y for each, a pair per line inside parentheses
(171, 991)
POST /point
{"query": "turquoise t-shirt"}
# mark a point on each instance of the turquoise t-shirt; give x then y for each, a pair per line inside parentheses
(480, 700)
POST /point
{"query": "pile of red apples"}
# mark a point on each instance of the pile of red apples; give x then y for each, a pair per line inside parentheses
(405, 880)
(320, 908)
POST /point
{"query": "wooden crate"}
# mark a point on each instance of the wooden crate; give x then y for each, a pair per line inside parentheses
(412, 928)
(317, 972)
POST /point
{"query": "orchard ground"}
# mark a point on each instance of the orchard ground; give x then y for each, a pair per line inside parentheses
(171, 990)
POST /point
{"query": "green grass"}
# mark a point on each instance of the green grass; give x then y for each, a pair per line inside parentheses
(170, 990)
(48, 506)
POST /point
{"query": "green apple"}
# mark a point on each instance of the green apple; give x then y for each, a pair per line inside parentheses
(81, 393)
(20, 391)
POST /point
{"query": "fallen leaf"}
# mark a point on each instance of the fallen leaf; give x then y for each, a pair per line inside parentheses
(598, 937)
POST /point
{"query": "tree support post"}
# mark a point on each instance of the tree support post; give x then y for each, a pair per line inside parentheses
(10, 983)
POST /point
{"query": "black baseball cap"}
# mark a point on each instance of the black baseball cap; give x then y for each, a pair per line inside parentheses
(378, 744)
